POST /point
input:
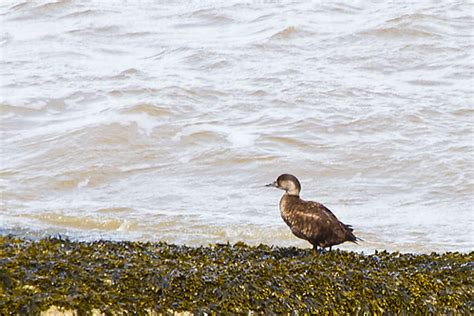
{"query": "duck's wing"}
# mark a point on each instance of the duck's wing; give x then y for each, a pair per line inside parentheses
(318, 209)
(333, 217)
(316, 222)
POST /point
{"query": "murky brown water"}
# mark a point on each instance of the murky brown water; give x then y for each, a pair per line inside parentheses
(159, 121)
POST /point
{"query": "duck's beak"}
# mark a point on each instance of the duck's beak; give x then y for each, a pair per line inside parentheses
(273, 184)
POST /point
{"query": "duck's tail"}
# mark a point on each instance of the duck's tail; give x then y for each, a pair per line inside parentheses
(350, 235)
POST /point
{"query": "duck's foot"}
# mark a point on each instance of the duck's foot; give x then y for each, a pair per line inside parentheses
(318, 250)
(321, 250)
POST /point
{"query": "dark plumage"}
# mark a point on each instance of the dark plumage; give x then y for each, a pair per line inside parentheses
(310, 220)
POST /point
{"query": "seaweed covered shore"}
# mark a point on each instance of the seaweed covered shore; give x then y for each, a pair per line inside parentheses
(145, 277)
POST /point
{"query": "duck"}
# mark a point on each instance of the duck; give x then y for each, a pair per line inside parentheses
(310, 220)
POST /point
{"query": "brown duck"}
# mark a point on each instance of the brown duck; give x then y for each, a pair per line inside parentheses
(310, 220)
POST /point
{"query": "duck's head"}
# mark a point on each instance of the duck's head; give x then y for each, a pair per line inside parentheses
(287, 182)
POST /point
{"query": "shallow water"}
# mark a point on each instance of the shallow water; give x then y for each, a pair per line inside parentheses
(160, 121)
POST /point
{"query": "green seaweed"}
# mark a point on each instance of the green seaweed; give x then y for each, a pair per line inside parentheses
(143, 277)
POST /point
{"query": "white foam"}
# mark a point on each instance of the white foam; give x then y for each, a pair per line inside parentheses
(241, 138)
(83, 183)
(237, 136)
(144, 122)
(124, 226)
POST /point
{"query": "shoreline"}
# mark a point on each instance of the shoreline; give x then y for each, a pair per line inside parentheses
(154, 278)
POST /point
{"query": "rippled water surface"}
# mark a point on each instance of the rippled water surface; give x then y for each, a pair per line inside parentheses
(154, 120)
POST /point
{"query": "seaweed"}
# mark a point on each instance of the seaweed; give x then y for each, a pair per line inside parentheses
(144, 277)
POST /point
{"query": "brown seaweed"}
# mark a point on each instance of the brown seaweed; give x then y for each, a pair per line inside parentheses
(142, 277)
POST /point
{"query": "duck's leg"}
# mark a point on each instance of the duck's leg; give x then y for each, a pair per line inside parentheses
(315, 248)
(330, 248)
